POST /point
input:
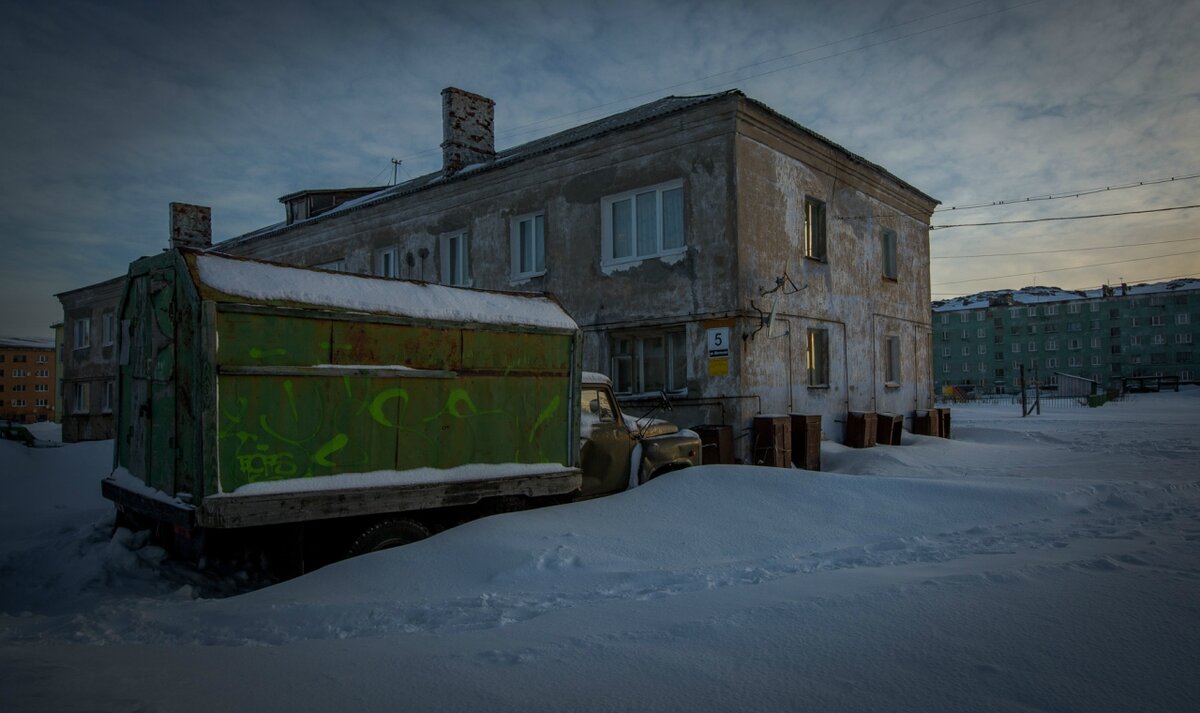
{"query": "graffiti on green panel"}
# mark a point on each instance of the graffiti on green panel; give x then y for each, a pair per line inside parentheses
(281, 427)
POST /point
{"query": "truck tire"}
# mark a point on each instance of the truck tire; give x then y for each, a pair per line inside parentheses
(383, 534)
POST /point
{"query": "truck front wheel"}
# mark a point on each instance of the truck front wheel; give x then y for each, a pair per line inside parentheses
(383, 534)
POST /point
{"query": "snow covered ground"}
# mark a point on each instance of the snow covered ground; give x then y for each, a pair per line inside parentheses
(1050, 563)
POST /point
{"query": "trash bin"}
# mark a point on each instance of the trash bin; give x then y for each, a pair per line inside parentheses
(716, 443)
(860, 429)
(771, 441)
(806, 441)
(927, 423)
(888, 427)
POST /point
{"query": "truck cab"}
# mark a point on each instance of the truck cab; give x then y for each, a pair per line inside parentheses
(618, 452)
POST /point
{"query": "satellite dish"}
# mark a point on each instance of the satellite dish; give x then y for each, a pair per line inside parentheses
(771, 319)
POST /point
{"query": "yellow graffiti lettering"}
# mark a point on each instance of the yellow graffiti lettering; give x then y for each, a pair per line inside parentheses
(376, 407)
(335, 444)
(266, 466)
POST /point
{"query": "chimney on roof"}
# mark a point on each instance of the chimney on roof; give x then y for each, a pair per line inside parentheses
(467, 133)
(191, 226)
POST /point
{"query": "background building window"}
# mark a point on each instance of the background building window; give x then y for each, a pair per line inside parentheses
(340, 265)
(643, 223)
(455, 259)
(79, 398)
(650, 362)
(529, 245)
(110, 388)
(106, 329)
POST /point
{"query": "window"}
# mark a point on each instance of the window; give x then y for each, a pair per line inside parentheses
(43, 359)
(19, 359)
(82, 333)
(1158, 339)
(1182, 318)
(1074, 361)
(1014, 312)
(18, 387)
(1095, 307)
(979, 334)
(1073, 344)
(1032, 346)
(965, 334)
(106, 329)
(1033, 311)
(1016, 347)
(1158, 321)
(945, 336)
(1051, 310)
(1133, 321)
(1075, 327)
(1114, 314)
(966, 368)
(964, 317)
(19, 373)
(647, 222)
(110, 388)
(1185, 338)
(1073, 308)
(814, 229)
(1095, 360)
(945, 318)
(647, 363)
(596, 407)
(979, 316)
(945, 351)
(889, 254)
(966, 351)
(1095, 342)
(455, 260)
(79, 398)
(1051, 345)
(817, 357)
(982, 349)
(340, 265)
(43, 403)
(18, 403)
(41, 387)
(891, 351)
(387, 262)
(528, 245)
(1051, 363)
(1135, 341)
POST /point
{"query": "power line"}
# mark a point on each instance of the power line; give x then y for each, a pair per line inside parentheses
(1061, 269)
(1064, 250)
(1066, 217)
(1068, 194)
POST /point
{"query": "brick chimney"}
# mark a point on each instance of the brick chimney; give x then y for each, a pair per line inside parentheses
(191, 226)
(467, 133)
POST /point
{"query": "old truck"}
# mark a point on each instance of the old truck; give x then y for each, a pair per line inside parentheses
(323, 415)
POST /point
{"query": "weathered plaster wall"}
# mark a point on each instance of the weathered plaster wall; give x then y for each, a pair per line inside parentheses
(847, 293)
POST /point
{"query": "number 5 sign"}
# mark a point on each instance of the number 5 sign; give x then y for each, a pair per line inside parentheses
(718, 342)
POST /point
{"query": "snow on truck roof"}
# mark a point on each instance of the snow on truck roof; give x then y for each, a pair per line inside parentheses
(262, 281)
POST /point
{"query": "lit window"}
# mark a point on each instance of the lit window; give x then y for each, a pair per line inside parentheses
(892, 359)
(650, 362)
(529, 246)
(455, 260)
(817, 357)
(814, 229)
(647, 222)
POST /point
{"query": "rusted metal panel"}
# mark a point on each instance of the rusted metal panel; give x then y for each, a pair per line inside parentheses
(515, 352)
(247, 339)
(417, 347)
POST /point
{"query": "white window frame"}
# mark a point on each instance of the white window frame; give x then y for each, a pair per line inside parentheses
(607, 257)
(107, 333)
(339, 265)
(454, 259)
(1183, 318)
(106, 404)
(816, 243)
(1073, 308)
(386, 263)
(1183, 338)
(628, 365)
(79, 397)
(537, 245)
(82, 333)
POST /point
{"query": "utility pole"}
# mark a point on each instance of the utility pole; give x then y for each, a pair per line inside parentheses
(395, 166)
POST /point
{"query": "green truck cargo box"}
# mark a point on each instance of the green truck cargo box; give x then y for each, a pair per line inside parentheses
(258, 394)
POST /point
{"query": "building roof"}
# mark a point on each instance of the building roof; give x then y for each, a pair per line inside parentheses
(23, 343)
(1040, 295)
(636, 116)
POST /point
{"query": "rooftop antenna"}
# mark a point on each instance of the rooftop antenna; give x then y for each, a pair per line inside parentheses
(395, 166)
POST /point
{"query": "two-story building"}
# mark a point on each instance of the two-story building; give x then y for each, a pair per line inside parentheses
(710, 248)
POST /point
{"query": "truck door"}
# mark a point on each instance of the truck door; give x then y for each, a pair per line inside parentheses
(605, 443)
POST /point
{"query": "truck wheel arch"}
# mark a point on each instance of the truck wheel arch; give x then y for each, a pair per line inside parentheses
(387, 533)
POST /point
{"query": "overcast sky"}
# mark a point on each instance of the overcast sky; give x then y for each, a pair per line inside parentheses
(111, 110)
